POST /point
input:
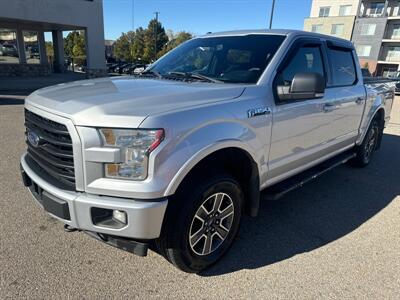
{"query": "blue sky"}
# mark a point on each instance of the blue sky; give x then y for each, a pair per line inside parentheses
(201, 16)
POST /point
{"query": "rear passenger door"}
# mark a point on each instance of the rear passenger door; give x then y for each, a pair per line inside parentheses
(349, 93)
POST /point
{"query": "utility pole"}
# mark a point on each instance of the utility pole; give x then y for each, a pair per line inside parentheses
(156, 34)
(272, 14)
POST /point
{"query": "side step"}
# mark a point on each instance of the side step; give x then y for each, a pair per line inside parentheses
(278, 190)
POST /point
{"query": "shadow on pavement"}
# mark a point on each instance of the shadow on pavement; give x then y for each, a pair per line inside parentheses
(317, 214)
(11, 100)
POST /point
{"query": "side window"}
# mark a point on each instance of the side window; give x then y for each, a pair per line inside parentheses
(306, 60)
(342, 66)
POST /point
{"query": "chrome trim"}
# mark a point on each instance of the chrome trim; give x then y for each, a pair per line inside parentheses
(105, 155)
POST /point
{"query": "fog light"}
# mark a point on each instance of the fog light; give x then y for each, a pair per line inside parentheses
(120, 216)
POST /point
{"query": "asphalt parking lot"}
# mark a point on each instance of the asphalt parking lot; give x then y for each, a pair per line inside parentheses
(337, 237)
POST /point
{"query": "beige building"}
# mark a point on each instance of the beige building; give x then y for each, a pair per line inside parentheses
(332, 17)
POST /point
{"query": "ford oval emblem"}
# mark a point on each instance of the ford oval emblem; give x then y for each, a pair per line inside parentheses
(33, 138)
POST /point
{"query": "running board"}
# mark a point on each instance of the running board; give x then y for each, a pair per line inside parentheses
(278, 190)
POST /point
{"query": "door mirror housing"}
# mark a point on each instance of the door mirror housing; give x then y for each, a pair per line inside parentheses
(304, 86)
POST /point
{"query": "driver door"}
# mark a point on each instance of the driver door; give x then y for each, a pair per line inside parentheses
(302, 129)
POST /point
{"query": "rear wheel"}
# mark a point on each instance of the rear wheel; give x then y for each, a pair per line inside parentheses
(365, 151)
(202, 223)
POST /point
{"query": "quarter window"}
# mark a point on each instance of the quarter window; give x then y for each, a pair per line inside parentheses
(324, 11)
(342, 66)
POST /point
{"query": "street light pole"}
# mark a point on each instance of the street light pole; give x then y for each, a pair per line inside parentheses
(272, 14)
(156, 34)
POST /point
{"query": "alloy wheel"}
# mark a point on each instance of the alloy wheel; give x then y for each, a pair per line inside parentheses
(211, 224)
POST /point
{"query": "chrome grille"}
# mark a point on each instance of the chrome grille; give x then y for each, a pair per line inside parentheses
(53, 153)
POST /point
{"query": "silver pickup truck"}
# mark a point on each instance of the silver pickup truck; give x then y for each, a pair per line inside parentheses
(171, 159)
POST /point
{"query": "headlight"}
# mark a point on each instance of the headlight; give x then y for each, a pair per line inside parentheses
(136, 146)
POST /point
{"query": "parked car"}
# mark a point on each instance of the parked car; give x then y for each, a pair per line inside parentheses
(126, 69)
(119, 69)
(137, 69)
(9, 50)
(34, 52)
(175, 158)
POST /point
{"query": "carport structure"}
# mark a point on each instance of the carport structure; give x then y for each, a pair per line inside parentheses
(23, 24)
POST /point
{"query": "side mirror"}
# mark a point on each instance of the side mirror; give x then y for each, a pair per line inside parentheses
(304, 86)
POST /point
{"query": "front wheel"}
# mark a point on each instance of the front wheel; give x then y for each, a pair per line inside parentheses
(202, 223)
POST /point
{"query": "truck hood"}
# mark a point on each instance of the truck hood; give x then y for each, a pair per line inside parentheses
(126, 101)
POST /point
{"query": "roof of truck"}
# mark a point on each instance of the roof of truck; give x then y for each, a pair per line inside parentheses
(277, 32)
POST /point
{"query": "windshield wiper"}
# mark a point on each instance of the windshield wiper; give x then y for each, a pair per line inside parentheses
(150, 73)
(188, 75)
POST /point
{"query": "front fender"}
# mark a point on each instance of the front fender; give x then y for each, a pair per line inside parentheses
(200, 155)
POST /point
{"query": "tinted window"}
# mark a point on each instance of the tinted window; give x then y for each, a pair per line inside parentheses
(343, 68)
(306, 60)
(234, 59)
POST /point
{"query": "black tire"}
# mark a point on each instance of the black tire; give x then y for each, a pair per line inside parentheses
(180, 222)
(365, 151)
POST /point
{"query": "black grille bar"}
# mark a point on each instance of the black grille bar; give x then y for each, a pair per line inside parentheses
(54, 153)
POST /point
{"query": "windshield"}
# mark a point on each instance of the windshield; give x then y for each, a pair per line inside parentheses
(234, 59)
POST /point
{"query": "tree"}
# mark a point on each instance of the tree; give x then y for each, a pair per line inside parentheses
(175, 40)
(123, 48)
(75, 39)
(139, 44)
(49, 49)
(150, 40)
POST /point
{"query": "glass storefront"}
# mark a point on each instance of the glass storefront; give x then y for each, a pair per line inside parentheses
(8, 46)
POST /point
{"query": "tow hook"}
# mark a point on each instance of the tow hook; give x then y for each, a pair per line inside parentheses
(69, 228)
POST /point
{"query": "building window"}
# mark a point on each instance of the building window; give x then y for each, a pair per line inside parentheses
(376, 9)
(396, 32)
(345, 10)
(324, 11)
(363, 50)
(337, 29)
(31, 47)
(393, 54)
(8, 47)
(368, 29)
(317, 28)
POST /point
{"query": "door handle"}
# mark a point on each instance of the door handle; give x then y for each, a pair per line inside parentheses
(329, 107)
(360, 100)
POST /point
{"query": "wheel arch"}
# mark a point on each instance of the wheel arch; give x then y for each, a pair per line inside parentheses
(231, 157)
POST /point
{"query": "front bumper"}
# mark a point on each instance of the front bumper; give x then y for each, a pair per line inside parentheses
(75, 208)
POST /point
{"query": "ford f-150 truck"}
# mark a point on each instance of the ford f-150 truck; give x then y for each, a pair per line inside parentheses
(170, 160)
